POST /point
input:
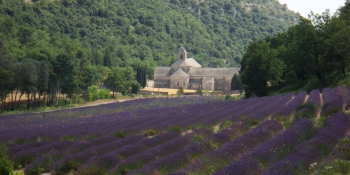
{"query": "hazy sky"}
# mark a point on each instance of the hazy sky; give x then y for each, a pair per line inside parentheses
(304, 7)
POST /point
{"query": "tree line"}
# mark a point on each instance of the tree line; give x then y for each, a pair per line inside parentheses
(45, 82)
(315, 53)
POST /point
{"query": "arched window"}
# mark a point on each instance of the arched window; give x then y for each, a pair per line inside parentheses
(181, 57)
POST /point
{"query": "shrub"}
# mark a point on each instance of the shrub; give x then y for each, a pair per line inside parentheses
(92, 93)
(105, 94)
(180, 91)
(199, 91)
(6, 166)
(131, 87)
(252, 122)
(149, 132)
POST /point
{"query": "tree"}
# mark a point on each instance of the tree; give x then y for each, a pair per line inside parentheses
(260, 68)
(6, 78)
(236, 83)
(43, 79)
(29, 77)
(141, 74)
(115, 81)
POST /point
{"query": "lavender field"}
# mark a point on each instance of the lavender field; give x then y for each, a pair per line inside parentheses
(302, 133)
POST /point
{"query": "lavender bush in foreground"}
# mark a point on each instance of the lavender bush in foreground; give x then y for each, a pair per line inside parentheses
(288, 110)
(314, 149)
(344, 95)
(230, 151)
(311, 108)
(271, 108)
(255, 161)
(141, 159)
(331, 102)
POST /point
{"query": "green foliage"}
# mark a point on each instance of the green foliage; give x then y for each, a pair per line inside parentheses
(251, 122)
(92, 93)
(105, 94)
(175, 129)
(260, 68)
(199, 91)
(121, 134)
(64, 47)
(225, 125)
(132, 87)
(121, 32)
(69, 138)
(149, 132)
(45, 165)
(236, 83)
(6, 166)
(233, 98)
(312, 54)
(180, 91)
(6, 78)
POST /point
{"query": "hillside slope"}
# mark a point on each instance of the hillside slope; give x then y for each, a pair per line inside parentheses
(121, 32)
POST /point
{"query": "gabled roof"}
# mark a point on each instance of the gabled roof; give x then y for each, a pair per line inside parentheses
(162, 71)
(214, 72)
(189, 62)
(179, 73)
(182, 50)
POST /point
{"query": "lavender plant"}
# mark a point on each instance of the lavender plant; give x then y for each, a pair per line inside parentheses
(315, 149)
(331, 102)
(255, 161)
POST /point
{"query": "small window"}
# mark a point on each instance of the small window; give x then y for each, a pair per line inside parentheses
(181, 57)
(178, 84)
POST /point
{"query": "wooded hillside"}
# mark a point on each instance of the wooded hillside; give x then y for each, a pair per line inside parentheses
(312, 54)
(121, 32)
(67, 46)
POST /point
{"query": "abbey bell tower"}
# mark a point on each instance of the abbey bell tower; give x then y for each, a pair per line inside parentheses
(182, 54)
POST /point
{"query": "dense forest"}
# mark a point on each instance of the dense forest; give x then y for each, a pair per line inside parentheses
(315, 53)
(48, 48)
(121, 32)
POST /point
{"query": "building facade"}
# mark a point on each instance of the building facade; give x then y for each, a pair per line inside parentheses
(189, 74)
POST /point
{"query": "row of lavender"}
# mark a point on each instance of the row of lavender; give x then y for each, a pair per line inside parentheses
(270, 152)
(92, 112)
(24, 154)
(87, 154)
(28, 155)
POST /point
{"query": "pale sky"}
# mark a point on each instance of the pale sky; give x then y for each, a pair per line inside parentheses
(304, 7)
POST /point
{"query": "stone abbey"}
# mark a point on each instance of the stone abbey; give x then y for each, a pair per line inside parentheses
(189, 74)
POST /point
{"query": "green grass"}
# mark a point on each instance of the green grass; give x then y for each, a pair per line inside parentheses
(150, 132)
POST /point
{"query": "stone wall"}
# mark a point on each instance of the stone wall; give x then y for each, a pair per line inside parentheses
(222, 84)
(176, 82)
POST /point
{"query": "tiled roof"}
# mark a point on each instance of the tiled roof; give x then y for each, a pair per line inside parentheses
(182, 50)
(180, 73)
(213, 72)
(187, 62)
(162, 71)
